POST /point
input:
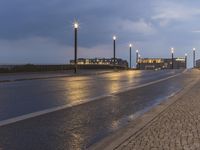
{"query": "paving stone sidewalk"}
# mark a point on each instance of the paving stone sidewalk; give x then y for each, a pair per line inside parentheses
(176, 128)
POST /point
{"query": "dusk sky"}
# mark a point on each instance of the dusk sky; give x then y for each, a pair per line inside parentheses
(41, 32)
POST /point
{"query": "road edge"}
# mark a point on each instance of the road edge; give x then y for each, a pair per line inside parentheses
(57, 76)
(117, 138)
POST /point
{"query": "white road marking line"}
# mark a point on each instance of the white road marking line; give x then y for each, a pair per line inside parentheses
(50, 110)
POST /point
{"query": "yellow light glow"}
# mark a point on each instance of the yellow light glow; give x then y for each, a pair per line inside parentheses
(78, 89)
(152, 60)
(180, 59)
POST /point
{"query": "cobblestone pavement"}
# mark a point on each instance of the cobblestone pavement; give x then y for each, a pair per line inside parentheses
(176, 128)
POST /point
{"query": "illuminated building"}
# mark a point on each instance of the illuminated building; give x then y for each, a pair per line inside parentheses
(161, 63)
(101, 61)
(198, 63)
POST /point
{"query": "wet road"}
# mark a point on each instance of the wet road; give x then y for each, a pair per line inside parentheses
(19, 98)
(79, 126)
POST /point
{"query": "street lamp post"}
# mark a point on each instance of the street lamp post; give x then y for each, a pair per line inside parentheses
(137, 53)
(172, 51)
(185, 60)
(194, 63)
(114, 47)
(130, 46)
(76, 25)
(139, 57)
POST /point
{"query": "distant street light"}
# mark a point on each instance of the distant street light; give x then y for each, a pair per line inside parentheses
(185, 60)
(114, 46)
(194, 63)
(137, 53)
(76, 26)
(172, 51)
(130, 46)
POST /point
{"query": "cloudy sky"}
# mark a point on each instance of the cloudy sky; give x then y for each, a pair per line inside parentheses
(39, 31)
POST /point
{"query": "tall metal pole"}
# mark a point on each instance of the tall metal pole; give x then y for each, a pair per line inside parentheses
(194, 63)
(172, 51)
(172, 60)
(186, 61)
(114, 46)
(114, 52)
(137, 59)
(75, 50)
(75, 46)
(130, 46)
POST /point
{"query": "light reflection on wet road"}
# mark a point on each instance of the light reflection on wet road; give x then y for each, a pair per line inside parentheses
(18, 98)
(81, 126)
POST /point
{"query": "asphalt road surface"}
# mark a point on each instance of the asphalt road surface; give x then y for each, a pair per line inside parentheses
(95, 107)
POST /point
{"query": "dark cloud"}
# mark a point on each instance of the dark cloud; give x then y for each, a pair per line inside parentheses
(98, 18)
(151, 25)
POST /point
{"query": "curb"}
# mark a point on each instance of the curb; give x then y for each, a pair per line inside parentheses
(58, 76)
